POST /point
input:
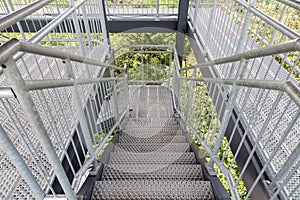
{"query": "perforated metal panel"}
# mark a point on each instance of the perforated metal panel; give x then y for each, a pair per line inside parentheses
(151, 102)
(153, 172)
(152, 147)
(144, 189)
(152, 158)
(153, 139)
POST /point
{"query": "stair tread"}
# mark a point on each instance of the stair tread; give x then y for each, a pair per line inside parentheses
(151, 133)
(150, 128)
(148, 171)
(152, 139)
(152, 158)
(152, 189)
(152, 147)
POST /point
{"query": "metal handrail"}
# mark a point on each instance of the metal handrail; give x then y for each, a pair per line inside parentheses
(16, 16)
(293, 4)
(13, 46)
(285, 86)
(47, 84)
(286, 47)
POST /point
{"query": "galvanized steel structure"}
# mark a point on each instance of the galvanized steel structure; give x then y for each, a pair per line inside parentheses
(61, 103)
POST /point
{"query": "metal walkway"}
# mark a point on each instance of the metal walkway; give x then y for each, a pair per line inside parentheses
(151, 159)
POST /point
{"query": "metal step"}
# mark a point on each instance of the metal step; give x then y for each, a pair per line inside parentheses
(153, 172)
(152, 189)
(153, 139)
(152, 147)
(152, 158)
(150, 123)
(148, 132)
(156, 120)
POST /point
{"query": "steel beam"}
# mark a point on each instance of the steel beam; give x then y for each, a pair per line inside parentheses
(34, 24)
(146, 26)
(181, 28)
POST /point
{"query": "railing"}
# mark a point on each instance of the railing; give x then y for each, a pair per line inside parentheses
(69, 23)
(146, 64)
(144, 8)
(55, 121)
(232, 27)
(260, 119)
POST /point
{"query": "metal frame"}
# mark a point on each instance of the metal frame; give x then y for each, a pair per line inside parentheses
(233, 126)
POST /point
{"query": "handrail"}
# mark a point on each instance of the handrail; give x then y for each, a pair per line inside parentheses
(293, 4)
(16, 16)
(8, 49)
(47, 84)
(285, 86)
(286, 47)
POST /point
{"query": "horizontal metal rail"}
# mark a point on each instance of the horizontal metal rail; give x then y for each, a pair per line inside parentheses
(277, 25)
(143, 46)
(291, 3)
(6, 92)
(47, 84)
(16, 16)
(14, 45)
(285, 86)
(286, 47)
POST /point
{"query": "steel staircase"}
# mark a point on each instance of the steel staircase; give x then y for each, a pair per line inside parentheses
(207, 109)
(152, 158)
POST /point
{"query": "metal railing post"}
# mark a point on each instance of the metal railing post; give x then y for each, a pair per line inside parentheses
(103, 21)
(86, 136)
(126, 88)
(80, 40)
(197, 4)
(170, 61)
(190, 96)
(10, 150)
(157, 9)
(212, 17)
(86, 25)
(143, 70)
(19, 87)
(114, 96)
(227, 113)
(243, 34)
(18, 23)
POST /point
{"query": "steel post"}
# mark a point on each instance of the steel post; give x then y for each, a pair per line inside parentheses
(19, 87)
(243, 34)
(78, 106)
(103, 22)
(228, 110)
(190, 96)
(211, 20)
(10, 150)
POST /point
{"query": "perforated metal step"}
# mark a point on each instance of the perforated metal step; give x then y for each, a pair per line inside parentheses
(151, 122)
(152, 158)
(148, 132)
(149, 189)
(153, 139)
(152, 147)
(153, 172)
